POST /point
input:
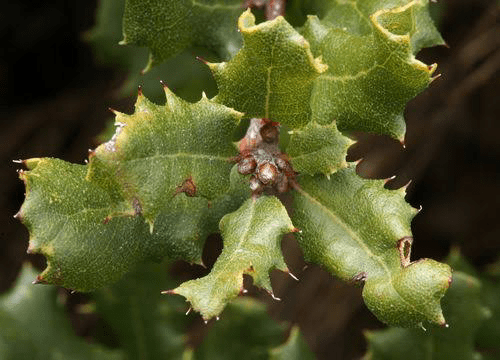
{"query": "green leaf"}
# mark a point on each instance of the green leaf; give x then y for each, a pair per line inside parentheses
(187, 76)
(246, 331)
(68, 220)
(358, 230)
(167, 27)
(272, 75)
(294, 348)
(318, 149)
(372, 71)
(252, 245)
(34, 326)
(464, 312)
(148, 326)
(159, 150)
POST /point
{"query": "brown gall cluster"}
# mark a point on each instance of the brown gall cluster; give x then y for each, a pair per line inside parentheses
(261, 157)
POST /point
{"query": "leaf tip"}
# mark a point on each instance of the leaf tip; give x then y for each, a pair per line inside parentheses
(39, 280)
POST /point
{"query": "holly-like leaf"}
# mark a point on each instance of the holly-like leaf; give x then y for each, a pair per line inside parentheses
(68, 220)
(161, 151)
(360, 231)
(167, 27)
(246, 331)
(147, 325)
(372, 72)
(464, 313)
(252, 237)
(272, 75)
(318, 149)
(34, 326)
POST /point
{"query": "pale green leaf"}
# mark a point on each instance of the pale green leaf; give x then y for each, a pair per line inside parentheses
(33, 326)
(252, 245)
(156, 150)
(356, 229)
(167, 27)
(372, 72)
(318, 149)
(69, 223)
(464, 313)
(272, 75)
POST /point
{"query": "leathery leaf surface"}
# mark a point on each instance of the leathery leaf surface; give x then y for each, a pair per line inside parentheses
(167, 27)
(252, 245)
(369, 47)
(162, 150)
(464, 312)
(34, 325)
(318, 149)
(69, 221)
(272, 75)
(358, 230)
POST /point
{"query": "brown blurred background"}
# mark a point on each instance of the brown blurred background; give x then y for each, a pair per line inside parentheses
(54, 101)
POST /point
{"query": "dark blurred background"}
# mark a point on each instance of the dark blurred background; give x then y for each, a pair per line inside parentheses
(54, 101)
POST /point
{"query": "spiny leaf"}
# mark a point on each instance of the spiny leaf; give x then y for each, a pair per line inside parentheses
(271, 76)
(318, 149)
(160, 151)
(34, 326)
(464, 312)
(252, 238)
(372, 71)
(68, 220)
(246, 331)
(148, 326)
(360, 231)
(167, 27)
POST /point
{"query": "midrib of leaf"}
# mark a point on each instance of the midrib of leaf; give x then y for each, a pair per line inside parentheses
(268, 80)
(356, 237)
(179, 155)
(232, 257)
(349, 77)
(216, 6)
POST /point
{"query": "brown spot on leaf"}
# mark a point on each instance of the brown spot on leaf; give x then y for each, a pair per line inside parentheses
(404, 247)
(137, 207)
(188, 187)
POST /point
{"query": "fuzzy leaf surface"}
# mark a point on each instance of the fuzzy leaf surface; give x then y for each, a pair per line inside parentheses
(318, 149)
(68, 220)
(167, 27)
(353, 227)
(252, 245)
(272, 75)
(464, 313)
(33, 326)
(246, 331)
(159, 148)
(147, 325)
(369, 47)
